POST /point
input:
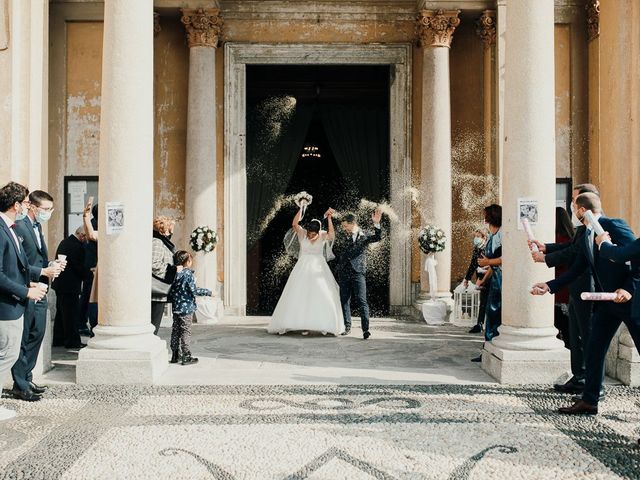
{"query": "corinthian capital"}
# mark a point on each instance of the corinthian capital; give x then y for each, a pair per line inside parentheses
(203, 26)
(436, 27)
(593, 19)
(486, 28)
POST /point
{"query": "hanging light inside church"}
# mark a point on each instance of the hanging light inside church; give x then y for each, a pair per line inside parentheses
(311, 151)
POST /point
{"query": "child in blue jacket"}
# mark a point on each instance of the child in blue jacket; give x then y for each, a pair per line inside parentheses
(182, 296)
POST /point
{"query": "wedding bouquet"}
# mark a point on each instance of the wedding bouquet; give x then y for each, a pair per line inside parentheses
(431, 239)
(303, 199)
(203, 239)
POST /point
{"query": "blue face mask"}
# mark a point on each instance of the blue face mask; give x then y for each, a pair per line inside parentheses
(477, 241)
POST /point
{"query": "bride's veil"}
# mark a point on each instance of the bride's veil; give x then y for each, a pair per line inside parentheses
(292, 246)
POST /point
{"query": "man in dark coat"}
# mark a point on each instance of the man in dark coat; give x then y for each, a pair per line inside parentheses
(29, 229)
(68, 287)
(351, 267)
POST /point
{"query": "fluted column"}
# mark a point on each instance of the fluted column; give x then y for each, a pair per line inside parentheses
(527, 350)
(435, 31)
(124, 349)
(486, 30)
(203, 33)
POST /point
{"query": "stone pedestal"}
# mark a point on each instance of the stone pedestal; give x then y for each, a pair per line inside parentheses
(124, 349)
(527, 350)
(435, 30)
(628, 361)
(203, 30)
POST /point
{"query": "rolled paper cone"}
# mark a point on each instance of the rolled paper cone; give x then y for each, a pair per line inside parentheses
(594, 223)
(527, 229)
(598, 296)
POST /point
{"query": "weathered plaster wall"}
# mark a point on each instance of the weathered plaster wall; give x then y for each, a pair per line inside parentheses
(171, 76)
(5, 93)
(563, 100)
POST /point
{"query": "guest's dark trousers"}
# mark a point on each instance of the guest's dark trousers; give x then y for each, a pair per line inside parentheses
(84, 302)
(181, 333)
(353, 286)
(605, 322)
(65, 328)
(579, 334)
(484, 294)
(157, 310)
(35, 324)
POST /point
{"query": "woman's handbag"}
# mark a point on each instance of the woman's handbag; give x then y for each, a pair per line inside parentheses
(159, 287)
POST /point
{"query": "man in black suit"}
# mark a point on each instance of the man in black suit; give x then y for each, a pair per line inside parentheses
(628, 253)
(607, 316)
(29, 230)
(68, 287)
(350, 250)
(15, 288)
(563, 254)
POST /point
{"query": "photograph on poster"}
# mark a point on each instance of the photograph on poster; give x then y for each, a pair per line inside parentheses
(115, 217)
(527, 208)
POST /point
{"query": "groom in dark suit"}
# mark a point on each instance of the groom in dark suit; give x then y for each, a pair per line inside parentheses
(350, 250)
(608, 276)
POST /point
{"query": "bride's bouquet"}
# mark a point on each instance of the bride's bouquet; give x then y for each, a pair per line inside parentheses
(431, 239)
(303, 199)
(203, 239)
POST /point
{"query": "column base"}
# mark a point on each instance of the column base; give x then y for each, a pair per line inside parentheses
(628, 367)
(525, 355)
(120, 355)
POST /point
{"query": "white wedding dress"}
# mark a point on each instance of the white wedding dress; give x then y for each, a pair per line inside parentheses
(310, 300)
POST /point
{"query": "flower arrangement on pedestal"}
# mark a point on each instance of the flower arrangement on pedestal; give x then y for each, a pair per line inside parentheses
(431, 239)
(203, 239)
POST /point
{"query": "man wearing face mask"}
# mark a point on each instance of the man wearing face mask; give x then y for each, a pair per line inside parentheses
(563, 255)
(29, 229)
(15, 287)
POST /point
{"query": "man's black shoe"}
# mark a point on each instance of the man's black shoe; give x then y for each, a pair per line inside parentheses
(569, 387)
(601, 397)
(477, 359)
(346, 332)
(26, 395)
(366, 335)
(476, 329)
(38, 388)
(75, 347)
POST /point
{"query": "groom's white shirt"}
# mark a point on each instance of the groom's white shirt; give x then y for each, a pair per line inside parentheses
(356, 231)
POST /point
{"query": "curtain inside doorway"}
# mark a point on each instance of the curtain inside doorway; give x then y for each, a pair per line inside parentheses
(274, 143)
(358, 136)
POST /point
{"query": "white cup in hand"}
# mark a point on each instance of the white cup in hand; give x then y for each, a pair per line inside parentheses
(44, 287)
(62, 258)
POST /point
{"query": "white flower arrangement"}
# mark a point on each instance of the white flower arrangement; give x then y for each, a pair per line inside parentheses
(303, 199)
(203, 239)
(431, 239)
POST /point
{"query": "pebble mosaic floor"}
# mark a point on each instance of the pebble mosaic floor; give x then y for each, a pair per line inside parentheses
(452, 432)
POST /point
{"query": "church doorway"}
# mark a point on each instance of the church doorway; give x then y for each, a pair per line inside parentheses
(323, 129)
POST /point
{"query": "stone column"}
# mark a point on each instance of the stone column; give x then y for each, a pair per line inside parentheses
(435, 31)
(203, 32)
(125, 350)
(20, 40)
(486, 30)
(527, 350)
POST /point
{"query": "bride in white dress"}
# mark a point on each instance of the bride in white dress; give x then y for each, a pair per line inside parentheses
(311, 298)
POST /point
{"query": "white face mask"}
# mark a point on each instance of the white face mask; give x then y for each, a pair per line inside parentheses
(574, 219)
(43, 217)
(477, 241)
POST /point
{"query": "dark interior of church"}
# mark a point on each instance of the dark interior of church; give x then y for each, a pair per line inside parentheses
(320, 129)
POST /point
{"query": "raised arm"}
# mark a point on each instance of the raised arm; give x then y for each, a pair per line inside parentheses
(295, 224)
(86, 223)
(331, 233)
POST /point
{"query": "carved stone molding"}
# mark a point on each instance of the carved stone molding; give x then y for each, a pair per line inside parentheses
(156, 24)
(486, 28)
(203, 25)
(593, 19)
(436, 27)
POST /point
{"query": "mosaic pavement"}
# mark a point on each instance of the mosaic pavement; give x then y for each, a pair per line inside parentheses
(453, 432)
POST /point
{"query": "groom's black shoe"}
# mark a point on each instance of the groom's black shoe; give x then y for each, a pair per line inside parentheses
(347, 331)
(366, 335)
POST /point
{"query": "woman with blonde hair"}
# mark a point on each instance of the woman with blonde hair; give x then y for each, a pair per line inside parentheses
(163, 270)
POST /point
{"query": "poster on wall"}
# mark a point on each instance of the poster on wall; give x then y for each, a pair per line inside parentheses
(115, 217)
(527, 208)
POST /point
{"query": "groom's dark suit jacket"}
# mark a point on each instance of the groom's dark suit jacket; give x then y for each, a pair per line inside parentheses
(629, 252)
(350, 255)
